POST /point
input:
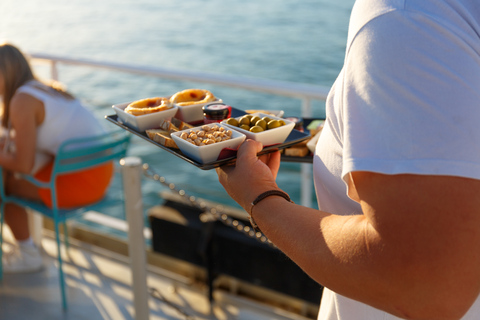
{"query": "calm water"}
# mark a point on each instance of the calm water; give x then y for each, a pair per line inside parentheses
(290, 40)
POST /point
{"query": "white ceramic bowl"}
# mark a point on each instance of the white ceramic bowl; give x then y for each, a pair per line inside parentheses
(208, 153)
(143, 122)
(193, 113)
(267, 137)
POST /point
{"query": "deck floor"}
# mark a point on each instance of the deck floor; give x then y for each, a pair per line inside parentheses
(99, 287)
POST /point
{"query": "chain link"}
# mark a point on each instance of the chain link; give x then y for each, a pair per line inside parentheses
(210, 213)
(157, 295)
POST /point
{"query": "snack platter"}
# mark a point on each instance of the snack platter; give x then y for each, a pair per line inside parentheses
(294, 137)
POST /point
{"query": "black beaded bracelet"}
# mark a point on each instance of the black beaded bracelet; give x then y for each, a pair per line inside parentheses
(262, 196)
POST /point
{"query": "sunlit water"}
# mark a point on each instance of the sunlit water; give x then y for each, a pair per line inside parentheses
(290, 40)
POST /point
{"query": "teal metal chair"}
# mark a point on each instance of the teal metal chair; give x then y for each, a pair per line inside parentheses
(73, 155)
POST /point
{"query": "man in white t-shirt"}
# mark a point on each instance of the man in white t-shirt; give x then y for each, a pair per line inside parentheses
(396, 170)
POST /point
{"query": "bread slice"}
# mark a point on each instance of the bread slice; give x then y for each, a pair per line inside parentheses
(168, 126)
(180, 124)
(161, 136)
(174, 125)
(297, 151)
(152, 132)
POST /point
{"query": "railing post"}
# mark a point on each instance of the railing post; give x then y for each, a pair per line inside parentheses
(54, 70)
(35, 225)
(306, 107)
(306, 188)
(306, 175)
(131, 176)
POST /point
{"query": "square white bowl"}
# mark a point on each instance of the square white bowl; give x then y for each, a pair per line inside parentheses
(193, 113)
(268, 137)
(143, 122)
(208, 153)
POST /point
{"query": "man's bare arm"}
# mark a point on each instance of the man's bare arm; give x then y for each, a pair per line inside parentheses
(413, 253)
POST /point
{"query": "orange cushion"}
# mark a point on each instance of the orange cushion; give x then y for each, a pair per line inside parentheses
(76, 189)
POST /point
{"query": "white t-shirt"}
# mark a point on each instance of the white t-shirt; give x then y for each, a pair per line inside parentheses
(406, 101)
(64, 119)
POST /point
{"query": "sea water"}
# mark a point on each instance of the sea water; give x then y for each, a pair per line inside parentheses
(289, 40)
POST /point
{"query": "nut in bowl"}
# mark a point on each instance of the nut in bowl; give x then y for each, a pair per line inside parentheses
(147, 120)
(267, 129)
(190, 103)
(205, 143)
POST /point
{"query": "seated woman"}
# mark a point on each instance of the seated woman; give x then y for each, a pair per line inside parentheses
(38, 117)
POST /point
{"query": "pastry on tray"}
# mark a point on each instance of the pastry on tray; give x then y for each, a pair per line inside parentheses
(148, 105)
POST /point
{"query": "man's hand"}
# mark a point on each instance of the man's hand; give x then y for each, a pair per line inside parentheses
(251, 175)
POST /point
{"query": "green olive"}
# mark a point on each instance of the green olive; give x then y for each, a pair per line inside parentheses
(273, 124)
(244, 120)
(256, 129)
(261, 123)
(232, 122)
(254, 119)
(267, 119)
(244, 126)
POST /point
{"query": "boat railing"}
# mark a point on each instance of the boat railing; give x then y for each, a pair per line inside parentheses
(302, 91)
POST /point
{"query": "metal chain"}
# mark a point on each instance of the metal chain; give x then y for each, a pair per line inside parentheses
(209, 213)
(157, 295)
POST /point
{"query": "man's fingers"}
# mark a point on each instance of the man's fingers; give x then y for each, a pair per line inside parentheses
(248, 150)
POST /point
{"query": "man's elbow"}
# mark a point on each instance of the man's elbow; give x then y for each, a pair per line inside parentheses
(438, 305)
(440, 313)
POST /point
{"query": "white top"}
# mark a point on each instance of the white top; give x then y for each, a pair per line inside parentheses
(64, 119)
(406, 101)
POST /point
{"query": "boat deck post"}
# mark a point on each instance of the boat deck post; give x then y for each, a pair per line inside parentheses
(131, 175)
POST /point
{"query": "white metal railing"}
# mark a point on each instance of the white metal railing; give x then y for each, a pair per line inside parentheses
(305, 92)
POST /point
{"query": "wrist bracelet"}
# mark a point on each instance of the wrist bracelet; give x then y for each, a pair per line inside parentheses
(261, 197)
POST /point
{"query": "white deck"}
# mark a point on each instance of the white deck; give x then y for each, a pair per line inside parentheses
(99, 287)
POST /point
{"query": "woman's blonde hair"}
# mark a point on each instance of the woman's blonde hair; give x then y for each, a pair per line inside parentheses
(16, 71)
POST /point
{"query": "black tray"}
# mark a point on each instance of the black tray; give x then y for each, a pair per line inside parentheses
(294, 138)
(309, 157)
